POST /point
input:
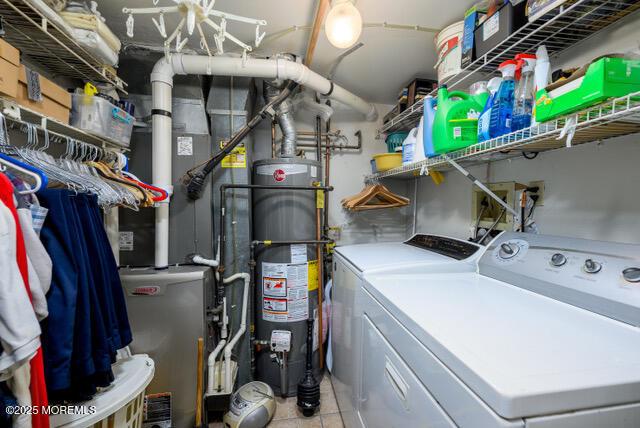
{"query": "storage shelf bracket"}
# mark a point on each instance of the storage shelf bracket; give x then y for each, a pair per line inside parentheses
(485, 189)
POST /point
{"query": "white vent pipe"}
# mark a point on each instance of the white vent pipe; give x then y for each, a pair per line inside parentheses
(161, 86)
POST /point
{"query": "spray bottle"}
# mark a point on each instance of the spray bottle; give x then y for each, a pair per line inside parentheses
(502, 108)
(485, 115)
(542, 73)
(525, 91)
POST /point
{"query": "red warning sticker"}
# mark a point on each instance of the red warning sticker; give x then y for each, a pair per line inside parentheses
(279, 175)
(274, 287)
(275, 306)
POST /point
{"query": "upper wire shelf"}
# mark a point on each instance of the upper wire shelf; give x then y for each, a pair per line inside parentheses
(613, 118)
(558, 30)
(42, 41)
(24, 116)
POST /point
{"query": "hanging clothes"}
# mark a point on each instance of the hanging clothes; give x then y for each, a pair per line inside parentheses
(37, 388)
(87, 321)
(19, 328)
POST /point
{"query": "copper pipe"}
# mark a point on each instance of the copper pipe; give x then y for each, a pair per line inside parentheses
(199, 382)
(327, 161)
(320, 284)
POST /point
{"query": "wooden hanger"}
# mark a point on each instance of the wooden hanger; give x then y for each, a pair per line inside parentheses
(374, 197)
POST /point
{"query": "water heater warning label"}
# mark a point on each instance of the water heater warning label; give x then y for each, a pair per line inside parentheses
(285, 293)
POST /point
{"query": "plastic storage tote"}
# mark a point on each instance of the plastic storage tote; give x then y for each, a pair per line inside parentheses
(99, 117)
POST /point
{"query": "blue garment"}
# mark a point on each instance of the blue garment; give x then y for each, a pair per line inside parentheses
(89, 322)
(58, 327)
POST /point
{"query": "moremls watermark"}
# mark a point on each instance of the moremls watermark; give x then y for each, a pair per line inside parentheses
(51, 410)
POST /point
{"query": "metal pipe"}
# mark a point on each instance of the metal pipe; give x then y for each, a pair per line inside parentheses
(284, 115)
(319, 140)
(273, 139)
(320, 285)
(327, 165)
(357, 146)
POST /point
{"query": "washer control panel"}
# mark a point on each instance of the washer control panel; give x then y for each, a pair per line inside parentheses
(600, 276)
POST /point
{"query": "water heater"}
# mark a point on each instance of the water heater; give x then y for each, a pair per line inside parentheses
(286, 292)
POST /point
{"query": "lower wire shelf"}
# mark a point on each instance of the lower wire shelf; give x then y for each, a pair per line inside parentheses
(613, 118)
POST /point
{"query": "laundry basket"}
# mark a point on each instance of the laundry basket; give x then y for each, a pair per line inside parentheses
(119, 406)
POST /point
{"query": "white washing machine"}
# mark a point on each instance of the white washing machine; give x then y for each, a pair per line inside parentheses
(544, 335)
(430, 253)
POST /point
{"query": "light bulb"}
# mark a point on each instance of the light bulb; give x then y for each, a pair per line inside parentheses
(343, 25)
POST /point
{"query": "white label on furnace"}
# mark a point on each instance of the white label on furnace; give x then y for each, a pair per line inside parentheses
(287, 168)
(285, 292)
(314, 171)
(491, 26)
(185, 146)
(299, 253)
(125, 241)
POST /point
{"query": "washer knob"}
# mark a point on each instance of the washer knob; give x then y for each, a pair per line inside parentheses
(631, 274)
(591, 266)
(508, 251)
(558, 259)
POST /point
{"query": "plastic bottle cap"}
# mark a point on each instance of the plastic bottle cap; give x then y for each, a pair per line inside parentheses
(508, 68)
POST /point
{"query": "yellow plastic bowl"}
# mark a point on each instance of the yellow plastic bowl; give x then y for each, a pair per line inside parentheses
(387, 161)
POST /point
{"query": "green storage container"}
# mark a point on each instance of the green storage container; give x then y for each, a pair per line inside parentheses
(604, 78)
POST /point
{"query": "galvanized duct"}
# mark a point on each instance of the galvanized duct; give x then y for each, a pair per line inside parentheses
(284, 116)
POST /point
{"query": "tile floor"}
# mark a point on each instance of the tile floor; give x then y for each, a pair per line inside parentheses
(288, 416)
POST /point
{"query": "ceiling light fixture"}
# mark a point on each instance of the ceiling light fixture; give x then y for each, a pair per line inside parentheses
(343, 25)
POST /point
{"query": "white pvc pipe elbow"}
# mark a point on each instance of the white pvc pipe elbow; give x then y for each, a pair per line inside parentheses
(228, 383)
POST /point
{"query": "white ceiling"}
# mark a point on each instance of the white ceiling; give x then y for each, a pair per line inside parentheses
(388, 60)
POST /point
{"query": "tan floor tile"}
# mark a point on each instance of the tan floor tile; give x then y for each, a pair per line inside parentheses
(328, 403)
(216, 425)
(313, 422)
(285, 408)
(332, 421)
(283, 423)
(325, 385)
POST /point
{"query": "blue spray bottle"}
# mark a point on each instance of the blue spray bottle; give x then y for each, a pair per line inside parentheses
(525, 92)
(502, 108)
(485, 117)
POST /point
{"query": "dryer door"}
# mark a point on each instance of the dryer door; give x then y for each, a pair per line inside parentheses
(391, 395)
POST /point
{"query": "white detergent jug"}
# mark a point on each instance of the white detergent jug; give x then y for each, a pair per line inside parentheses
(409, 146)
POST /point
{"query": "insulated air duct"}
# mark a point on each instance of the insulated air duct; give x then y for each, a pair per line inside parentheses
(162, 83)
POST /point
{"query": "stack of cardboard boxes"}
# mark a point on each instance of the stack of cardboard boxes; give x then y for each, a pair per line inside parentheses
(55, 101)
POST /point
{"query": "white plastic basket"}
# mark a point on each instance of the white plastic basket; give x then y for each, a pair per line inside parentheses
(122, 404)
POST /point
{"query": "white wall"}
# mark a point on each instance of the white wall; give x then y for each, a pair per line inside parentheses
(592, 191)
(348, 169)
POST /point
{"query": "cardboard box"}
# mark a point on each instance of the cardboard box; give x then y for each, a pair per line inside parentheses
(56, 101)
(9, 67)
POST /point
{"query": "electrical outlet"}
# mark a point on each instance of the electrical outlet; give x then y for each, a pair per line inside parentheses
(508, 192)
(540, 185)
